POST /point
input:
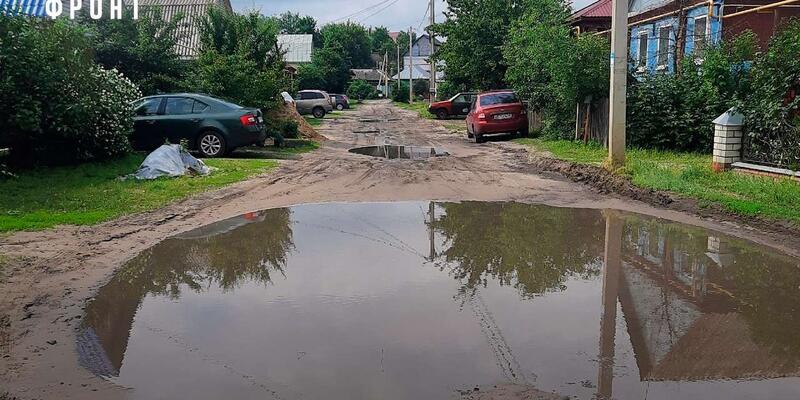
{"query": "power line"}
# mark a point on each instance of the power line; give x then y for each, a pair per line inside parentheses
(422, 21)
(363, 10)
(379, 11)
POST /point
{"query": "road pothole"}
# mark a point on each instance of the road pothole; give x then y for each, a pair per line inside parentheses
(398, 151)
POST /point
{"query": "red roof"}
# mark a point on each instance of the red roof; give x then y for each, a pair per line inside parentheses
(598, 9)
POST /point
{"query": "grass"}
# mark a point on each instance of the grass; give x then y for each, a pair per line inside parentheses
(91, 193)
(420, 107)
(314, 122)
(690, 174)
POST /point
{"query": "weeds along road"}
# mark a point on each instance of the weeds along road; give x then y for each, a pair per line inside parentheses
(54, 272)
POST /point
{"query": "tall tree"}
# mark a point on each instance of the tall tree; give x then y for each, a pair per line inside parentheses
(476, 32)
(551, 68)
(294, 23)
(144, 50)
(353, 40)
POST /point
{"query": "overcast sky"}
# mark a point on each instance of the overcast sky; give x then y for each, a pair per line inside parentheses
(393, 14)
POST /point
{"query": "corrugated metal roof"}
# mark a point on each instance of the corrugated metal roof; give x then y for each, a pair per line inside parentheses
(298, 48)
(598, 9)
(188, 44)
(639, 6)
(367, 74)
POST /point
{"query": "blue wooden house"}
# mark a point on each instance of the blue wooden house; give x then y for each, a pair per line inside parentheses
(660, 29)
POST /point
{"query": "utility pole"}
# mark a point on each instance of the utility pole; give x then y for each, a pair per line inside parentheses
(386, 74)
(619, 76)
(397, 44)
(432, 85)
(410, 66)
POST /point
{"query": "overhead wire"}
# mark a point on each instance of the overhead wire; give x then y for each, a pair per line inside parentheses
(361, 11)
(379, 11)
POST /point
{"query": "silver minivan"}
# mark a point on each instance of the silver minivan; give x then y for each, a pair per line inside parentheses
(314, 102)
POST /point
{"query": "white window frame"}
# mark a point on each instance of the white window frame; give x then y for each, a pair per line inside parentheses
(705, 36)
(643, 59)
(659, 65)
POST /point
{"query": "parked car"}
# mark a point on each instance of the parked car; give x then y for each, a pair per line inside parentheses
(314, 102)
(457, 105)
(340, 101)
(211, 126)
(493, 112)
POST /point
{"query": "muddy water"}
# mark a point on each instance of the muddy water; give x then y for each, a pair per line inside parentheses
(398, 151)
(420, 300)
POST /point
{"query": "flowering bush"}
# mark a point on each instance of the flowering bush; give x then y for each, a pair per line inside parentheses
(56, 105)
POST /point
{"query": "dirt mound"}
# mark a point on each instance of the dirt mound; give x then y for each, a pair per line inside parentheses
(602, 180)
(289, 112)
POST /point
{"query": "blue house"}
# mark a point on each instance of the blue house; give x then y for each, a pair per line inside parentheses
(659, 27)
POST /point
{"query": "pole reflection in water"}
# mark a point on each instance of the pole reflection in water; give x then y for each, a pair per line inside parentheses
(612, 264)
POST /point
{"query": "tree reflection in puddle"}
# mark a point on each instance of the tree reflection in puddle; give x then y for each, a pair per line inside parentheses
(623, 303)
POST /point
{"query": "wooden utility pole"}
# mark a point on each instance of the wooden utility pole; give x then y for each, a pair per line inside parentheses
(619, 76)
(410, 66)
(432, 88)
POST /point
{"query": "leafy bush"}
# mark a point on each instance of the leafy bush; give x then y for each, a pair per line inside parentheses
(772, 106)
(447, 89)
(143, 50)
(238, 61)
(553, 69)
(421, 87)
(400, 93)
(360, 89)
(674, 111)
(237, 78)
(56, 105)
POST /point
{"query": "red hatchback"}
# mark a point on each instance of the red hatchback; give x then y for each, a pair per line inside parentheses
(498, 111)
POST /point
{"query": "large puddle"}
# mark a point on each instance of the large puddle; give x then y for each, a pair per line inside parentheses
(420, 300)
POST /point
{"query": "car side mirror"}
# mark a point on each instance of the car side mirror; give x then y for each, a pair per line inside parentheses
(141, 112)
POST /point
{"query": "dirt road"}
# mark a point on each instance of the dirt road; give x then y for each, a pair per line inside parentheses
(54, 272)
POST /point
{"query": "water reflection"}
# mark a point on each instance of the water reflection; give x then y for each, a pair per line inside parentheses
(248, 248)
(619, 302)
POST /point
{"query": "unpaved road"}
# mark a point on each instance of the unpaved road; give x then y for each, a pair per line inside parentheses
(54, 272)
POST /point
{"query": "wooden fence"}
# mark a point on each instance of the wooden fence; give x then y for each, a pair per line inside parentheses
(591, 121)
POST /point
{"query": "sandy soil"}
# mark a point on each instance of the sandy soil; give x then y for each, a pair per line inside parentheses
(54, 272)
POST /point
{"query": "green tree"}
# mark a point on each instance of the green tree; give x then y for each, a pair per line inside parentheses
(550, 67)
(143, 50)
(476, 32)
(352, 39)
(294, 23)
(328, 70)
(360, 89)
(239, 59)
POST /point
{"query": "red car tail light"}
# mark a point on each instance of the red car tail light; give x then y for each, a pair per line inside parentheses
(248, 120)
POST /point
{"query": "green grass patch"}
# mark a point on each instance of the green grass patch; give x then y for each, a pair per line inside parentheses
(690, 174)
(314, 122)
(420, 107)
(90, 193)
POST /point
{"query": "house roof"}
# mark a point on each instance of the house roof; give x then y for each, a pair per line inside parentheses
(298, 48)
(188, 45)
(598, 9)
(367, 74)
(420, 72)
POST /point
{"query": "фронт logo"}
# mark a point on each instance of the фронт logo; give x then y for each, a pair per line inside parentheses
(56, 8)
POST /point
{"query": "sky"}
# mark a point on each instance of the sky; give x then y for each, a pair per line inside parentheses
(393, 14)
